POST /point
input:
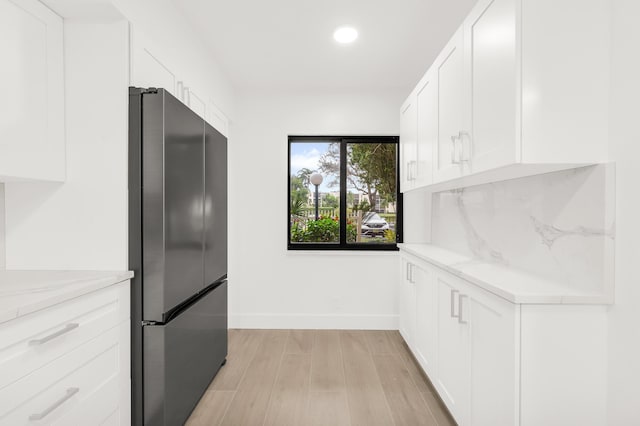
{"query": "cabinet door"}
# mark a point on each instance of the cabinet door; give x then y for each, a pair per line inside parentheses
(216, 118)
(452, 349)
(32, 142)
(427, 136)
(407, 303)
(493, 342)
(195, 102)
(490, 138)
(426, 319)
(148, 70)
(449, 68)
(408, 135)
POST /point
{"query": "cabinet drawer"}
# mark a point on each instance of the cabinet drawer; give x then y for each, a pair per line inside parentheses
(31, 342)
(80, 387)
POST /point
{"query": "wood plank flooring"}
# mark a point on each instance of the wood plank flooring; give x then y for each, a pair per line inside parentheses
(319, 378)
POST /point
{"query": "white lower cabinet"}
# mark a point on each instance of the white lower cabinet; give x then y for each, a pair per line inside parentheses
(452, 377)
(68, 364)
(496, 363)
(425, 338)
(407, 303)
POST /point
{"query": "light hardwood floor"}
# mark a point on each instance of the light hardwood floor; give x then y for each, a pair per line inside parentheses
(319, 377)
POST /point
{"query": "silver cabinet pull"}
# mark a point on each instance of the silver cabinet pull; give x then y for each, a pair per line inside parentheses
(453, 304)
(180, 90)
(411, 274)
(407, 272)
(461, 297)
(462, 136)
(453, 150)
(67, 328)
(187, 96)
(41, 415)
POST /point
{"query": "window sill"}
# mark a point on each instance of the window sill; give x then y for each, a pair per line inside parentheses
(341, 253)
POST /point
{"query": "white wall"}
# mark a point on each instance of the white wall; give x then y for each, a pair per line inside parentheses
(624, 316)
(270, 287)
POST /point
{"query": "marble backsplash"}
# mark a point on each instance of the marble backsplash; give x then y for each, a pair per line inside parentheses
(2, 229)
(559, 226)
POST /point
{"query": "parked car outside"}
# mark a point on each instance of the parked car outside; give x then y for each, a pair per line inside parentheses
(373, 225)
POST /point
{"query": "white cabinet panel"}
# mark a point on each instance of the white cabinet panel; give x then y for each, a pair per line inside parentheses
(490, 43)
(497, 363)
(513, 97)
(426, 318)
(407, 303)
(453, 375)
(32, 85)
(450, 74)
(217, 118)
(147, 69)
(427, 136)
(408, 139)
(151, 68)
(74, 374)
(37, 339)
(494, 343)
(49, 394)
(196, 103)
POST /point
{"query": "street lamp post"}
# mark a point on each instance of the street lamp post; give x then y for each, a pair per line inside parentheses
(316, 180)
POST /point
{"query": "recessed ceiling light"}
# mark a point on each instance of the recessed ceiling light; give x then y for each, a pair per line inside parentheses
(345, 35)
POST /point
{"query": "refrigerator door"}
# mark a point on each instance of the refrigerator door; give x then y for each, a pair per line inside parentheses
(182, 357)
(215, 206)
(172, 204)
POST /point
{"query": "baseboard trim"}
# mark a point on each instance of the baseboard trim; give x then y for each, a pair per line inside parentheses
(301, 321)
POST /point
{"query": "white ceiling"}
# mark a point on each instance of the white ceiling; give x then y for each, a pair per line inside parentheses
(288, 44)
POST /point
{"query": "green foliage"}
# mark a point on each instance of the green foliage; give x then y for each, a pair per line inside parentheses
(375, 164)
(390, 235)
(371, 168)
(323, 230)
(330, 201)
(297, 208)
(299, 192)
(364, 207)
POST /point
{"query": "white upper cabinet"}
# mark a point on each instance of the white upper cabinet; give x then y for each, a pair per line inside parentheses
(519, 93)
(419, 134)
(489, 138)
(151, 66)
(449, 68)
(148, 70)
(32, 140)
(427, 136)
(408, 138)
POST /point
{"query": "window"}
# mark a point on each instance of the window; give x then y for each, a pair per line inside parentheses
(343, 193)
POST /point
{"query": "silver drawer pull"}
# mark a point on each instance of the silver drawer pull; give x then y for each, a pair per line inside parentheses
(461, 309)
(67, 328)
(45, 413)
(453, 304)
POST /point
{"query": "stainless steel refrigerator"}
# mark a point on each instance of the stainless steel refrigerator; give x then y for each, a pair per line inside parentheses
(178, 251)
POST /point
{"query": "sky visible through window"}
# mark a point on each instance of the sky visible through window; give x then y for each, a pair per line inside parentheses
(307, 156)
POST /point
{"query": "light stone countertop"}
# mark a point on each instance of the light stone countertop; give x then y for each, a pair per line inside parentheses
(514, 285)
(24, 292)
